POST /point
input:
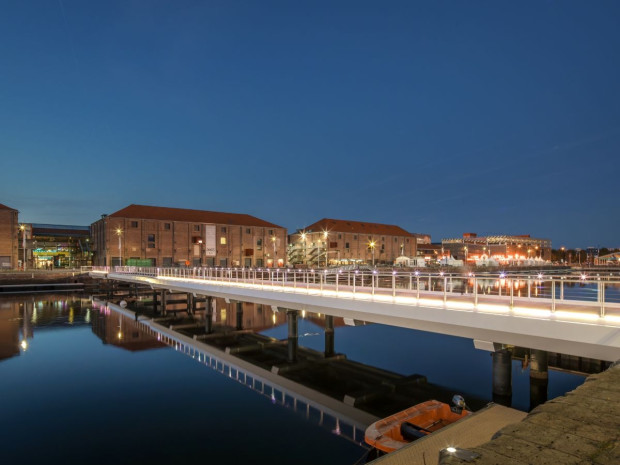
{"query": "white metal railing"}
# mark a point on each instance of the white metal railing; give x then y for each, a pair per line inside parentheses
(593, 293)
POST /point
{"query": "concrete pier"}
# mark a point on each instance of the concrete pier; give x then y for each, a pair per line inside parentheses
(209, 316)
(329, 336)
(293, 335)
(502, 377)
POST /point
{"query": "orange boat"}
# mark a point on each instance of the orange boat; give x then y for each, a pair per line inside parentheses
(400, 429)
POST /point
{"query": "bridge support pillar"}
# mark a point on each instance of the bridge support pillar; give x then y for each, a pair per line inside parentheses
(539, 377)
(329, 336)
(189, 303)
(209, 315)
(502, 377)
(293, 335)
(154, 302)
(239, 325)
(164, 292)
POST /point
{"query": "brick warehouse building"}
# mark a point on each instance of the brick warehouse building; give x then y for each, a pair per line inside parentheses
(350, 242)
(161, 236)
(9, 237)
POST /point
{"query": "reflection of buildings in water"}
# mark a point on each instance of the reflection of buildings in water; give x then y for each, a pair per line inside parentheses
(10, 320)
(20, 315)
(121, 331)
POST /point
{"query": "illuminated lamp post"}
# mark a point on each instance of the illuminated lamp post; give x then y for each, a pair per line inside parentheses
(22, 228)
(465, 250)
(372, 245)
(273, 241)
(325, 237)
(303, 238)
(200, 251)
(119, 232)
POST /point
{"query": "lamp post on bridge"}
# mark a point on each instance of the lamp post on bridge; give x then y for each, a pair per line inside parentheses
(372, 246)
(119, 232)
(22, 228)
(273, 241)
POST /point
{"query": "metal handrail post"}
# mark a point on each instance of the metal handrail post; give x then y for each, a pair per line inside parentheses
(602, 297)
(417, 285)
(373, 283)
(354, 283)
(321, 279)
(562, 288)
(512, 295)
(410, 281)
(552, 295)
(445, 289)
(393, 285)
(529, 288)
(475, 292)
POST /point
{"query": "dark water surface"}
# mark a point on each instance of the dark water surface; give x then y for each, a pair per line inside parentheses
(70, 392)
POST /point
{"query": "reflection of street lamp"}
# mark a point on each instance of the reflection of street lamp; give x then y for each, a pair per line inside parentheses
(119, 231)
(372, 245)
(273, 241)
(563, 249)
(22, 228)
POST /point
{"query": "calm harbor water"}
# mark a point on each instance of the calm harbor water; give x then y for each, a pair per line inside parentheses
(77, 386)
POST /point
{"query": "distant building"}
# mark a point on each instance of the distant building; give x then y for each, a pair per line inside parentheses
(342, 242)
(160, 236)
(58, 246)
(503, 249)
(9, 238)
(611, 259)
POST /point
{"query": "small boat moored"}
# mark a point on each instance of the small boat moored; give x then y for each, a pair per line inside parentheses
(395, 431)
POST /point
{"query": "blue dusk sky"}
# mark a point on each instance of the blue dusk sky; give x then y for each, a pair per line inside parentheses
(442, 117)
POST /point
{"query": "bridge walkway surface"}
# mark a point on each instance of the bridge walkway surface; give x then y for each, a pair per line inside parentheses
(582, 427)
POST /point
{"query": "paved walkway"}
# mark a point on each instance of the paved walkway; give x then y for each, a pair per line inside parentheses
(582, 427)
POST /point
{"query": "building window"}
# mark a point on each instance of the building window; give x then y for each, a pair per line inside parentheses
(395, 239)
(196, 227)
(151, 241)
(339, 236)
(223, 229)
(382, 246)
(167, 226)
(259, 244)
(355, 237)
(346, 245)
(134, 224)
(407, 240)
(223, 240)
(271, 232)
(248, 231)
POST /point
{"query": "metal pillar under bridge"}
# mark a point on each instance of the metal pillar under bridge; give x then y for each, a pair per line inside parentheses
(539, 377)
(163, 302)
(209, 315)
(329, 336)
(502, 377)
(189, 303)
(239, 325)
(293, 335)
(154, 302)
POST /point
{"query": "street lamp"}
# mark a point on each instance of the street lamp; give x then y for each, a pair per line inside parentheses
(372, 245)
(325, 236)
(22, 228)
(273, 241)
(303, 238)
(465, 250)
(200, 251)
(119, 232)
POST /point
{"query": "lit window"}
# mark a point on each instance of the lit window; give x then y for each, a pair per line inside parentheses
(223, 240)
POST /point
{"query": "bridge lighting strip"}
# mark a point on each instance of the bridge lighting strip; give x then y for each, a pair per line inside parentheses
(537, 313)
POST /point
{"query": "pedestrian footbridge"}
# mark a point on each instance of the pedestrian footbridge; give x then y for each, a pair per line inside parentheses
(570, 315)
